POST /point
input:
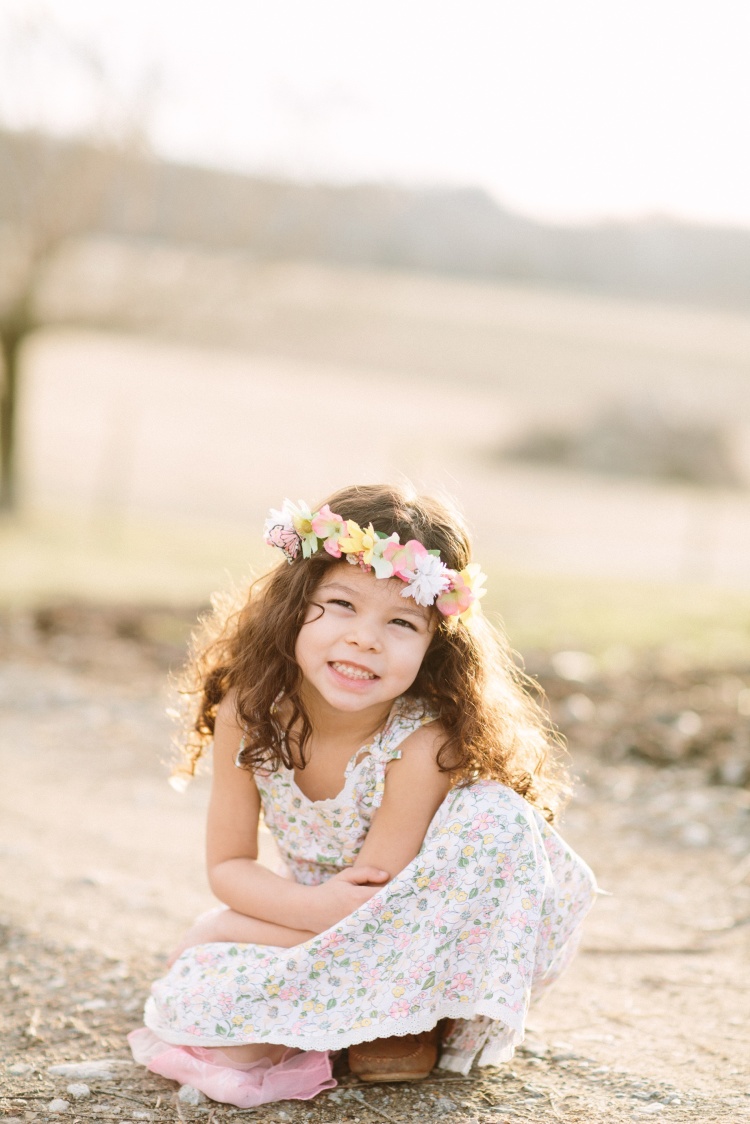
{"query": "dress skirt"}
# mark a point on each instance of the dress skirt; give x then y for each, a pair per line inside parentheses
(475, 927)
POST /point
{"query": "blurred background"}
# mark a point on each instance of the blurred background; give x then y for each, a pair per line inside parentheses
(256, 250)
(502, 252)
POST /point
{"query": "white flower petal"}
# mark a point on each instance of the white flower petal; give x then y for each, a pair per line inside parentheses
(278, 518)
(429, 578)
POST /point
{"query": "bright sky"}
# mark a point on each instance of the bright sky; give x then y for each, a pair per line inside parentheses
(562, 110)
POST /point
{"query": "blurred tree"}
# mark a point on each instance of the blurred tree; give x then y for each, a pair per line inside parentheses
(54, 190)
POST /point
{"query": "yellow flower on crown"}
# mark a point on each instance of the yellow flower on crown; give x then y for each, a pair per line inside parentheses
(301, 518)
(359, 541)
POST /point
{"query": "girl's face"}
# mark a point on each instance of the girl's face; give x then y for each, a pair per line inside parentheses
(366, 646)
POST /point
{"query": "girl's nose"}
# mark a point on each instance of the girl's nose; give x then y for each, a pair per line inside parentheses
(364, 634)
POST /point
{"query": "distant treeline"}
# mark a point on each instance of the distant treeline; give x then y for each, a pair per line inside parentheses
(460, 232)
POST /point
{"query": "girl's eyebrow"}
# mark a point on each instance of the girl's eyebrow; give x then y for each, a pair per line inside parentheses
(403, 611)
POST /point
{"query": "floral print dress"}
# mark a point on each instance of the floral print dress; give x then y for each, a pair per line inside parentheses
(486, 915)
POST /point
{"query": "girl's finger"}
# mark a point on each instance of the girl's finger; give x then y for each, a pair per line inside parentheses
(368, 874)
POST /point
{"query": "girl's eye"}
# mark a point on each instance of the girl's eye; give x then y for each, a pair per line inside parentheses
(340, 601)
(404, 624)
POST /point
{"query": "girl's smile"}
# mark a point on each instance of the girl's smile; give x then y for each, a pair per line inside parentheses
(352, 671)
(362, 643)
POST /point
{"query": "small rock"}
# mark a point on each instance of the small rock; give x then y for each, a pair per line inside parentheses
(532, 1050)
(188, 1094)
(58, 1105)
(78, 1091)
(688, 723)
(283, 1115)
(652, 1108)
(444, 1104)
(20, 1068)
(86, 1071)
(695, 834)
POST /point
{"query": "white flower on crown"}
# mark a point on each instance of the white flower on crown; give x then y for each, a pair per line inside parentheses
(281, 518)
(428, 579)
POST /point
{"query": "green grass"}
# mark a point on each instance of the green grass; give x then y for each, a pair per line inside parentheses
(698, 623)
(51, 557)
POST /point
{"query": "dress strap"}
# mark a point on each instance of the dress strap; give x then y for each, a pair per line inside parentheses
(406, 717)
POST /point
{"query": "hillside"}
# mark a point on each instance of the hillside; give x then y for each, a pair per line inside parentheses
(454, 231)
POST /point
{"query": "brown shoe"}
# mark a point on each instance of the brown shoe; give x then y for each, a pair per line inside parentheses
(410, 1057)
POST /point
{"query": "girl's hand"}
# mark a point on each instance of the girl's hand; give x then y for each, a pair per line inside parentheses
(345, 892)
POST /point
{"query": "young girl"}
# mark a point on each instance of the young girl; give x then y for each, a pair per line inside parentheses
(361, 703)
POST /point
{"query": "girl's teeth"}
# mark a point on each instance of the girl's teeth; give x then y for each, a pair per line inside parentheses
(352, 672)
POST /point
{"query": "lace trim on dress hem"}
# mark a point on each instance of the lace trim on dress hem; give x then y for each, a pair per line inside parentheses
(384, 1028)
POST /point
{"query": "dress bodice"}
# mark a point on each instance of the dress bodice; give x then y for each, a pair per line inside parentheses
(318, 838)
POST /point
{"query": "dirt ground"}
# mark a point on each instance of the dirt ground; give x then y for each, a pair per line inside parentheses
(102, 867)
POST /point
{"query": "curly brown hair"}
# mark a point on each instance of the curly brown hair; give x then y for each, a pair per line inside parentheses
(493, 727)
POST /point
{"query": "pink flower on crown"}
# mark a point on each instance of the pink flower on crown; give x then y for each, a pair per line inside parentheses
(462, 596)
(331, 528)
(403, 557)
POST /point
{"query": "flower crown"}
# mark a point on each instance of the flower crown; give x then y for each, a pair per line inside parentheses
(428, 580)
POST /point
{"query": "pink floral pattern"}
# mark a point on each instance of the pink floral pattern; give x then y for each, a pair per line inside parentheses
(488, 910)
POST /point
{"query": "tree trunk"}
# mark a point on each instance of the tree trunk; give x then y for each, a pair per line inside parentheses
(10, 344)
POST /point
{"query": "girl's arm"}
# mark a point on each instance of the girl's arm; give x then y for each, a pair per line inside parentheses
(414, 790)
(238, 879)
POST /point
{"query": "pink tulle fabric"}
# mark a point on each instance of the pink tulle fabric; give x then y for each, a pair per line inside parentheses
(298, 1076)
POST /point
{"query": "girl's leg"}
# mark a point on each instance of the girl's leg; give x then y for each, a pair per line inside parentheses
(253, 1052)
(226, 925)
